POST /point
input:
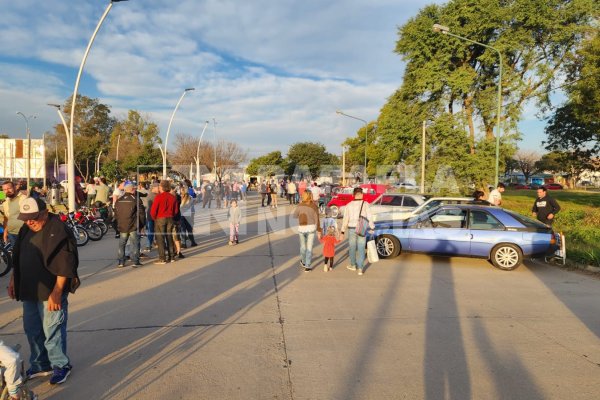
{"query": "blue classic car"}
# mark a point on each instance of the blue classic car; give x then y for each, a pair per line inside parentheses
(467, 230)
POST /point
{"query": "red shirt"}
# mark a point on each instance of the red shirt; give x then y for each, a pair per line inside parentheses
(164, 206)
(329, 243)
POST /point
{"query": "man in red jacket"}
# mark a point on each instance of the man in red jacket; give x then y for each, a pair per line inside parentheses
(164, 208)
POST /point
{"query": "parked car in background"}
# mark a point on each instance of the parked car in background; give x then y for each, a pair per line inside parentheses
(370, 192)
(407, 186)
(396, 202)
(521, 186)
(468, 230)
(554, 186)
(430, 203)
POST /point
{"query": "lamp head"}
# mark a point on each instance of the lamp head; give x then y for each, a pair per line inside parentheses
(190, 89)
(54, 105)
(441, 28)
(338, 112)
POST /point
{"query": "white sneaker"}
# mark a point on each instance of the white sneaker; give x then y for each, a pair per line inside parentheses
(325, 269)
(360, 272)
(351, 267)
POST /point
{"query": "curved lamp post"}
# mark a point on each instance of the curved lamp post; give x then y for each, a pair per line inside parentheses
(446, 31)
(164, 153)
(215, 135)
(71, 158)
(364, 122)
(197, 158)
(28, 145)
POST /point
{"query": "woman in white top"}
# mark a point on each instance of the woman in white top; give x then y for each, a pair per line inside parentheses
(356, 244)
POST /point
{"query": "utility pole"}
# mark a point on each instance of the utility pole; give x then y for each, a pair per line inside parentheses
(423, 157)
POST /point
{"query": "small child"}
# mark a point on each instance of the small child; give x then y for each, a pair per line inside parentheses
(329, 241)
(234, 223)
(11, 364)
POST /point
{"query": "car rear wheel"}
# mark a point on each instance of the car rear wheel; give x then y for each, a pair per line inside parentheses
(506, 256)
(388, 246)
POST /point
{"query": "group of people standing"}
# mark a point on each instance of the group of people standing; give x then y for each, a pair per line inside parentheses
(223, 193)
(356, 213)
(544, 207)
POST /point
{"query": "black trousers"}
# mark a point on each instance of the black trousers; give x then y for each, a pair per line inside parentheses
(330, 259)
(163, 230)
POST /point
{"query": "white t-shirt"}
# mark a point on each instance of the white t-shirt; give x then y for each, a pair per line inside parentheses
(495, 197)
(316, 193)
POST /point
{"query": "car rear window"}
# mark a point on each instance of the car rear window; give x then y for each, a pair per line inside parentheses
(409, 202)
(527, 221)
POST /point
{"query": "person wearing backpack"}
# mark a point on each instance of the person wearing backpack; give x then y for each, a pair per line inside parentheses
(357, 219)
(263, 193)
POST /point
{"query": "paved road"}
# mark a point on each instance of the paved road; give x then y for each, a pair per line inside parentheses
(243, 322)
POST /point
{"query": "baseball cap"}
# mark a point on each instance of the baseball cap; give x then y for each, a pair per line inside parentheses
(30, 208)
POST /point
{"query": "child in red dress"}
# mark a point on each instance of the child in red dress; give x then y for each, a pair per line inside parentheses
(329, 241)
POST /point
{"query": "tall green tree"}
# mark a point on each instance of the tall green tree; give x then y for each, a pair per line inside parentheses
(313, 155)
(268, 164)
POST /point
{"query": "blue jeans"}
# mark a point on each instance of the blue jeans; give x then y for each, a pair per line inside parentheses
(150, 230)
(135, 246)
(306, 245)
(356, 244)
(46, 333)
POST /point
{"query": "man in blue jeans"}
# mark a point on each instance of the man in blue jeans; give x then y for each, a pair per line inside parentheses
(45, 262)
(354, 212)
(130, 216)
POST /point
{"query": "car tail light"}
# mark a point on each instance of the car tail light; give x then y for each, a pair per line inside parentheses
(553, 239)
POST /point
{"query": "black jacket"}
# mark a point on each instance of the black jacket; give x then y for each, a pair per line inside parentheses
(129, 212)
(60, 253)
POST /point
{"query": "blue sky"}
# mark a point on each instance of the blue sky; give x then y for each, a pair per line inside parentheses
(270, 73)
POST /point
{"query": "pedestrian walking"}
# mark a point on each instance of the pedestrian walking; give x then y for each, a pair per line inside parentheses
(102, 191)
(273, 192)
(130, 215)
(234, 216)
(308, 226)
(263, 193)
(329, 240)
(164, 209)
(315, 191)
(176, 231)
(149, 221)
(355, 214)
(291, 190)
(545, 207)
(206, 194)
(45, 262)
(187, 220)
(244, 190)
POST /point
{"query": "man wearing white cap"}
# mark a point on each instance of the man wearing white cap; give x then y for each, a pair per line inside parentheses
(45, 262)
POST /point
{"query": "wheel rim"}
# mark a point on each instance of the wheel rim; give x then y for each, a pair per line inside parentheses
(507, 257)
(385, 246)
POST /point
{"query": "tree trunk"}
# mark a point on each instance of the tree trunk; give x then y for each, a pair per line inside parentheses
(468, 107)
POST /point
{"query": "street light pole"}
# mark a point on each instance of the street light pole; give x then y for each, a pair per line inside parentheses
(28, 145)
(215, 135)
(446, 31)
(365, 122)
(164, 153)
(69, 143)
(71, 160)
(197, 159)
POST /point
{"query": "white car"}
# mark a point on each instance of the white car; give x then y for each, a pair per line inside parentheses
(394, 215)
(64, 184)
(396, 202)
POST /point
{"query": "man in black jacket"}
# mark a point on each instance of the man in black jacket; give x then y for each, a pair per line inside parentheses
(45, 262)
(130, 216)
(545, 207)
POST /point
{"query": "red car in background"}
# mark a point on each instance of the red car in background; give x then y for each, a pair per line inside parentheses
(554, 186)
(371, 191)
